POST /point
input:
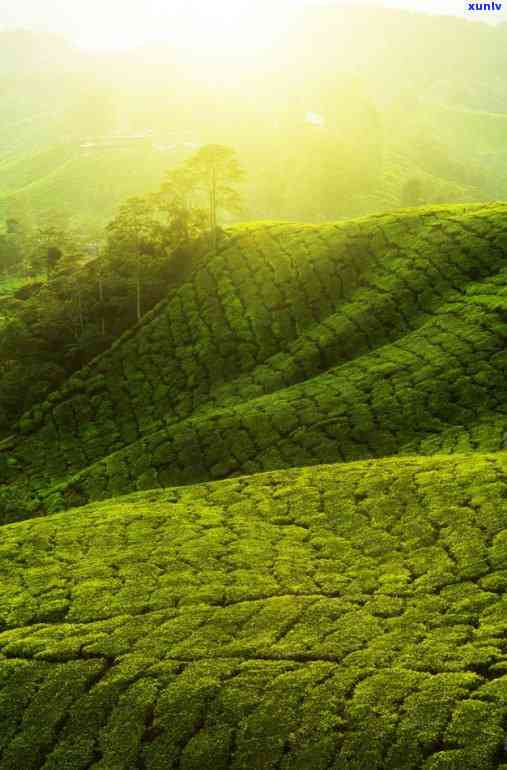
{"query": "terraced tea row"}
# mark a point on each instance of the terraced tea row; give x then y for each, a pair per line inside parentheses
(333, 617)
(341, 617)
(347, 616)
(296, 345)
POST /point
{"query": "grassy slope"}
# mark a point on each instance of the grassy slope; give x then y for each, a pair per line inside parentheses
(472, 130)
(399, 168)
(89, 181)
(25, 170)
(296, 345)
(341, 616)
(331, 617)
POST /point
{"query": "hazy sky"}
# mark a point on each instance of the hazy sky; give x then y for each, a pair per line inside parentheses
(124, 23)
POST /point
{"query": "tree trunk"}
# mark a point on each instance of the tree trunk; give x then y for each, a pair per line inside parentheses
(138, 293)
(214, 208)
(80, 311)
(211, 218)
(101, 301)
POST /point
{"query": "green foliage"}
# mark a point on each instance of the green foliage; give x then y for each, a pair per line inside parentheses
(216, 172)
(412, 192)
(277, 613)
(85, 299)
(295, 345)
(341, 616)
(177, 204)
(349, 615)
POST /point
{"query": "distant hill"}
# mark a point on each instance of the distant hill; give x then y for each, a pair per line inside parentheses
(86, 180)
(384, 84)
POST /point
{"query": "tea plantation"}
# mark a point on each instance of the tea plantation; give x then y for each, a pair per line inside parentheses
(267, 528)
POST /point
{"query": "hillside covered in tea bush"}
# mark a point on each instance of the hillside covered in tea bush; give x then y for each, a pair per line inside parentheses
(295, 345)
(267, 528)
(345, 616)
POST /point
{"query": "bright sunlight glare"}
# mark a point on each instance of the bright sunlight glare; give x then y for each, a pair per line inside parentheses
(225, 28)
(222, 27)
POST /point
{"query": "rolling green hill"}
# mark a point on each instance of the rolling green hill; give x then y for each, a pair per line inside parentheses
(295, 345)
(400, 166)
(308, 571)
(90, 181)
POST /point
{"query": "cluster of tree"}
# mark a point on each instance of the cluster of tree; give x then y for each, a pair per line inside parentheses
(9, 255)
(92, 292)
(38, 249)
(147, 229)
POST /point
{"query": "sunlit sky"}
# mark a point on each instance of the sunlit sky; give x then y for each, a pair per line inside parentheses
(123, 24)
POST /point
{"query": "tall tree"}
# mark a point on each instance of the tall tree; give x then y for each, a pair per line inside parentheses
(9, 253)
(135, 237)
(412, 192)
(51, 242)
(99, 271)
(216, 171)
(13, 245)
(178, 203)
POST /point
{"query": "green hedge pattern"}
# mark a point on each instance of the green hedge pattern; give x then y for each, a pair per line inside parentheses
(344, 617)
(296, 345)
(246, 607)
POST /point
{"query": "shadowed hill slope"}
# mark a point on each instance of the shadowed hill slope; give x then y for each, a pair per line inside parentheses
(325, 618)
(295, 345)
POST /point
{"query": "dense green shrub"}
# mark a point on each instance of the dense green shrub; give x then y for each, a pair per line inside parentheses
(332, 617)
(295, 345)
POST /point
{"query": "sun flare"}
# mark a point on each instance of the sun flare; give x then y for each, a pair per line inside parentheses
(223, 28)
